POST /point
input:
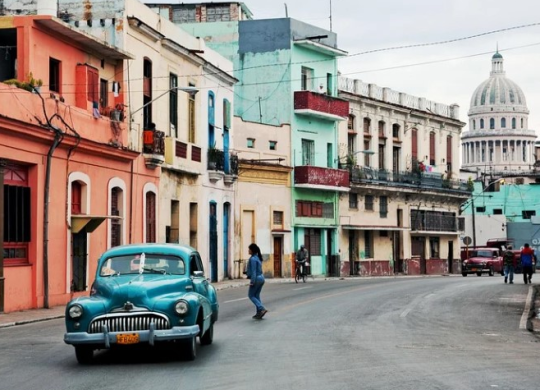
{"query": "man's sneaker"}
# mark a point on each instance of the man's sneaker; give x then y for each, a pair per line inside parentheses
(530, 280)
(505, 280)
(262, 313)
(511, 282)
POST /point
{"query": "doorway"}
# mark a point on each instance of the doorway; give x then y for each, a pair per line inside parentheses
(213, 243)
(79, 244)
(278, 248)
(451, 257)
(418, 250)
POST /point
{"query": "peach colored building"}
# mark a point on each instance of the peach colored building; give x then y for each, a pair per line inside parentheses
(71, 186)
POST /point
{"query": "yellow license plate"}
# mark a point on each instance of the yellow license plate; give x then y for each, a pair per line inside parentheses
(127, 338)
(473, 269)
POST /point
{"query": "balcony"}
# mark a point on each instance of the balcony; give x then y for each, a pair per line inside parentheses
(424, 180)
(222, 165)
(321, 178)
(320, 105)
(154, 148)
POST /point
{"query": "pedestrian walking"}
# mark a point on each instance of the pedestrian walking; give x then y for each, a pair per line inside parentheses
(509, 264)
(527, 256)
(255, 275)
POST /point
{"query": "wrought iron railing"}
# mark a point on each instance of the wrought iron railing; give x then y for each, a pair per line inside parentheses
(217, 162)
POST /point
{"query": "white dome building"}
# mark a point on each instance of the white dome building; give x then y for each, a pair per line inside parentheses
(498, 141)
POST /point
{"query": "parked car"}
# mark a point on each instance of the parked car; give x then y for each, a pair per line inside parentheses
(150, 294)
(481, 260)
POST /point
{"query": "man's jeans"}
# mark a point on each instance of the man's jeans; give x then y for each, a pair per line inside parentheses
(509, 271)
(254, 294)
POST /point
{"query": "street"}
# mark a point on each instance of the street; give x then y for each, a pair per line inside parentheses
(366, 333)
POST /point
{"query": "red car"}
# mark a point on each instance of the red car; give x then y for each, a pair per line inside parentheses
(481, 260)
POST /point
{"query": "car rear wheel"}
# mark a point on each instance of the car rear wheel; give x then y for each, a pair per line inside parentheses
(479, 274)
(208, 336)
(84, 354)
(464, 274)
(491, 272)
(190, 348)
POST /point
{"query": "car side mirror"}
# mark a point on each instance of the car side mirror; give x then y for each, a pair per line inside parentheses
(198, 274)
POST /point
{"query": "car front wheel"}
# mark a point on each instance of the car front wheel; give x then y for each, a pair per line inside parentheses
(84, 354)
(491, 272)
(208, 336)
(464, 274)
(190, 346)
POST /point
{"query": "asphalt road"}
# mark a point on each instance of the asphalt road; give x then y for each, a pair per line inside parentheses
(381, 333)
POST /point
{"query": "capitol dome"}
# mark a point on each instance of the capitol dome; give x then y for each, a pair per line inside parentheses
(498, 93)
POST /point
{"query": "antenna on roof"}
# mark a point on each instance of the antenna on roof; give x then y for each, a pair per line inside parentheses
(330, 15)
(286, 11)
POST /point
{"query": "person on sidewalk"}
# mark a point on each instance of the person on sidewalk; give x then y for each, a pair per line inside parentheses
(527, 255)
(509, 264)
(255, 275)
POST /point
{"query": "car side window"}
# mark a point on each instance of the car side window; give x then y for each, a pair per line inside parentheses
(193, 266)
(199, 262)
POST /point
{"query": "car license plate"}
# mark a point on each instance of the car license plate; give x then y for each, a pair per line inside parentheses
(127, 338)
(473, 269)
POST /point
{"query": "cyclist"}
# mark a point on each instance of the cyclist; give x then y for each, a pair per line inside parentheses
(301, 259)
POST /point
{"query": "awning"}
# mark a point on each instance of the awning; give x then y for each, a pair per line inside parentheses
(363, 227)
(90, 222)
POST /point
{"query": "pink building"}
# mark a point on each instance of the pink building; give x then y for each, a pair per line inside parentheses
(67, 144)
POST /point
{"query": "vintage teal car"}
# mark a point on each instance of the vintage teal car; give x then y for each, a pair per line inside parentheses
(144, 294)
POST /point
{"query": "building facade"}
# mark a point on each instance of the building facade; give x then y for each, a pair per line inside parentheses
(402, 152)
(72, 184)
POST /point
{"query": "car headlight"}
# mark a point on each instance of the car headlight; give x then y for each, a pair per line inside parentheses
(75, 311)
(181, 307)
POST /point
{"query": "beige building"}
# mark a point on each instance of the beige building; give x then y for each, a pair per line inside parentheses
(402, 153)
(263, 196)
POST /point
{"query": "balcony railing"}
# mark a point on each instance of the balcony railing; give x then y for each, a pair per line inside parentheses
(154, 148)
(436, 221)
(218, 162)
(319, 176)
(368, 175)
(320, 105)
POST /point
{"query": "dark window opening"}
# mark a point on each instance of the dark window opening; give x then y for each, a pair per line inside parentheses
(54, 75)
(527, 214)
(103, 93)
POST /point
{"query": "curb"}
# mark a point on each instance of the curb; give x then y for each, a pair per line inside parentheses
(23, 322)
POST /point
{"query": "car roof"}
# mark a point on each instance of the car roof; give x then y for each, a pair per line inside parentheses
(172, 249)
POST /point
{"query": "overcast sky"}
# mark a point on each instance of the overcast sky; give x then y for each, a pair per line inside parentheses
(364, 25)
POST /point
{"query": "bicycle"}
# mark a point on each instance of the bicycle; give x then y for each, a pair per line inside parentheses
(299, 274)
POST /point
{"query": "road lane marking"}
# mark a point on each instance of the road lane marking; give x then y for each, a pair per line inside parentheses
(527, 310)
(405, 312)
(236, 300)
(301, 288)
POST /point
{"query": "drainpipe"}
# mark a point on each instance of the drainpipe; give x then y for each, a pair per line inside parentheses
(57, 139)
(2, 165)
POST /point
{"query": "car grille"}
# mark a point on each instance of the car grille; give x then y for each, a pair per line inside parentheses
(129, 322)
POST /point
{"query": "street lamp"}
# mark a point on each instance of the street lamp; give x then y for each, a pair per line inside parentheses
(191, 90)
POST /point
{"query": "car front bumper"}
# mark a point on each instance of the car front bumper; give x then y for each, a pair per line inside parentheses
(150, 336)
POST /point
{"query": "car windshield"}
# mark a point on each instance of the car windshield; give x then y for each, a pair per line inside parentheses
(484, 254)
(143, 263)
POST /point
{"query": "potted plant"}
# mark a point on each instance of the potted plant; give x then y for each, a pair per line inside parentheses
(31, 84)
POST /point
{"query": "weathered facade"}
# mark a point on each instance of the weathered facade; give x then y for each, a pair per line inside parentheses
(401, 214)
(73, 184)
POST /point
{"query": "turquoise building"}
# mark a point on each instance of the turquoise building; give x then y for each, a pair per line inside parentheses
(287, 72)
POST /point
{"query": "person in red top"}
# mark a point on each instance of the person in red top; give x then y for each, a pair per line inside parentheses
(527, 258)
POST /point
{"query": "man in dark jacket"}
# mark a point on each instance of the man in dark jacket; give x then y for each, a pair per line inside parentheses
(527, 256)
(509, 264)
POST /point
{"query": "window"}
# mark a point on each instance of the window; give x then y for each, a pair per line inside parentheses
(522, 122)
(147, 93)
(277, 218)
(308, 152)
(307, 79)
(329, 155)
(395, 131)
(527, 214)
(191, 113)
(367, 125)
(383, 206)
(329, 84)
(497, 211)
(103, 93)
(491, 123)
(434, 247)
(193, 226)
(368, 244)
(351, 123)
(383, 233)
(503, 123)
(368, 202)
(432, 148)
(461, 224)
(381, 128)
(353, 200)
(328, 210)
(54, 78)
(173, 104)
(474, 124)
(17, 215)
(481, 209)
(150, 217)
(218, 13)
(351, 143)
(186, 14)
(481, 123)
(272, 145)
(309, 209)
(116, 223)
(251, 143)
(366, 155)
(513, 123)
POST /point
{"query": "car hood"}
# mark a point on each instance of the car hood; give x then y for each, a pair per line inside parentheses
(480, 259)
(141, 290)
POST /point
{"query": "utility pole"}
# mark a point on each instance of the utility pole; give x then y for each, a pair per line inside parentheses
(473, 224)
